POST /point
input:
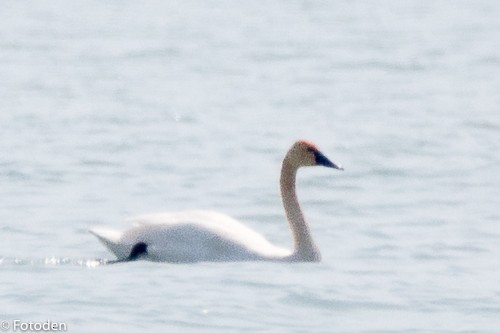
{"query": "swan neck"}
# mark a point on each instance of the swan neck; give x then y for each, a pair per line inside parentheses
(305, 248)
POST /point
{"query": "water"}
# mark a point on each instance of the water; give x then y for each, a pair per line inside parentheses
(113, 109)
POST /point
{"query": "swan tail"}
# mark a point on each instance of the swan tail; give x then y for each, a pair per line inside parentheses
(111, 239)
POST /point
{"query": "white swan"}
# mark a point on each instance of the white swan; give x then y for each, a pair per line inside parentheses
(208, 236)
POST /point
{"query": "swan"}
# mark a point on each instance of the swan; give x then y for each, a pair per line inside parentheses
(196, 236)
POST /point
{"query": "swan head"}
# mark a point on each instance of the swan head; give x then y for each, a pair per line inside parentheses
(305, 153)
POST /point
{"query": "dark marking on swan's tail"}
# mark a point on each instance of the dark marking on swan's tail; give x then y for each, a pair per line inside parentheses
(138, 250)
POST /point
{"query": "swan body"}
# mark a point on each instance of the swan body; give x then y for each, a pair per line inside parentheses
(191, 236)
(196, 236)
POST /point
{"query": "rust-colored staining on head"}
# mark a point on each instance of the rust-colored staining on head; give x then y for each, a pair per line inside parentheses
(308, 144)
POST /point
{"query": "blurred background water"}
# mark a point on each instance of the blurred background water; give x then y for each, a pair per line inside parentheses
(118, 108)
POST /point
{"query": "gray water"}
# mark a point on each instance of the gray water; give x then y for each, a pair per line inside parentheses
(110, 109)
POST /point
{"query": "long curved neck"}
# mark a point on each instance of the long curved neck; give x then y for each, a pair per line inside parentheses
(305, 248)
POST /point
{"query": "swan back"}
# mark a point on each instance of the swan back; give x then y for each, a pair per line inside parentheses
(191, 236)
(212, 235)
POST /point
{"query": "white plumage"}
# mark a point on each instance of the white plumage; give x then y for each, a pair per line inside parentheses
(191, 236)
